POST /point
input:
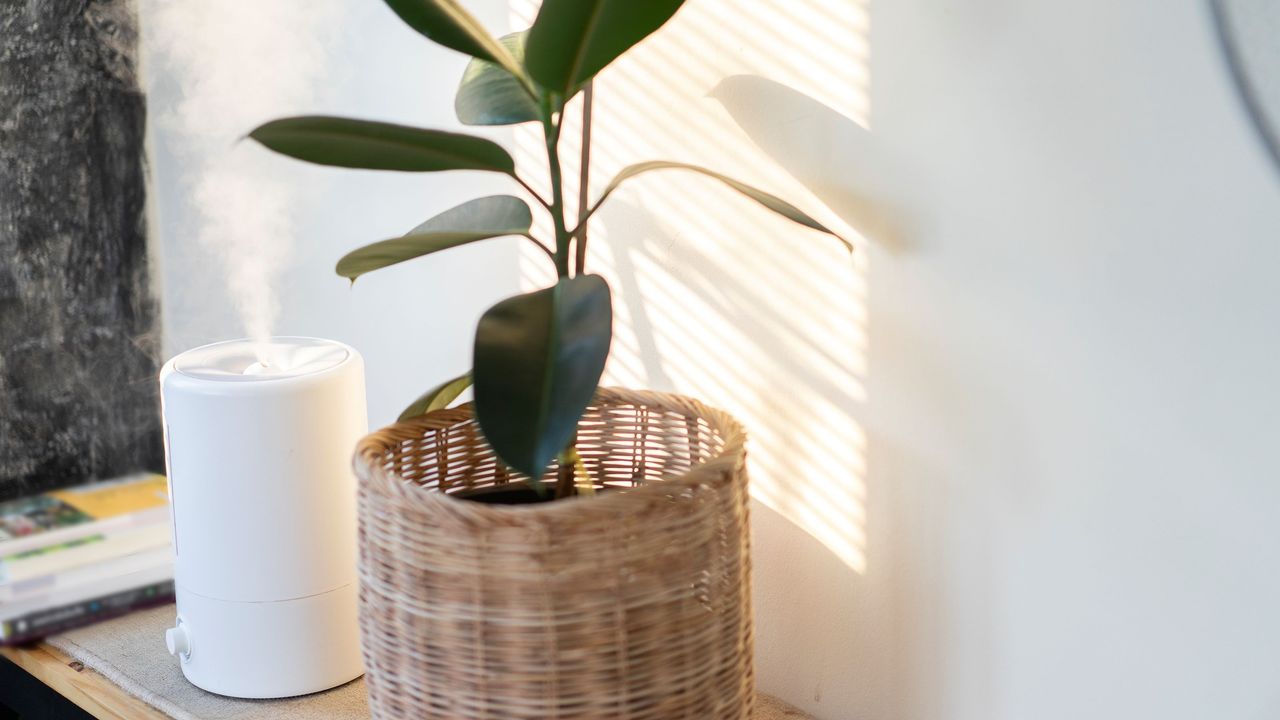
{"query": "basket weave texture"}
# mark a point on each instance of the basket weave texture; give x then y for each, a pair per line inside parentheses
(633, 604)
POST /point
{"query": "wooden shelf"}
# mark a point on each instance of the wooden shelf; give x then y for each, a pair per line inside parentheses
(103, 699)
(83, 686)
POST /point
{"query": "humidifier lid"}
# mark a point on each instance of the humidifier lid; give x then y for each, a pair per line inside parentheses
(257, 360)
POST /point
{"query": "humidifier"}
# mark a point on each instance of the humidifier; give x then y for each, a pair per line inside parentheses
(258, 440)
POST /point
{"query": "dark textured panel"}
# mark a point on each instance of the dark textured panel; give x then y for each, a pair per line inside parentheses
(78, 321)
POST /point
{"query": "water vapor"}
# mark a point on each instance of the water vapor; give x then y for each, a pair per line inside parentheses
(216, 70)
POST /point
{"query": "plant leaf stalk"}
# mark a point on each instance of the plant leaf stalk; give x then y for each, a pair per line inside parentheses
(584, 177)
(569, 464)
(552, 118)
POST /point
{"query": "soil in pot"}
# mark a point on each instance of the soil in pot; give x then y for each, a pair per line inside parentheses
(509, 494)
(516, 493)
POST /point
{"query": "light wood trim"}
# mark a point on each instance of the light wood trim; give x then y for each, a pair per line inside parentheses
(83, 686)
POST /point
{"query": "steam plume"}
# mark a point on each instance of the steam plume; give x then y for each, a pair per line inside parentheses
(230, 65)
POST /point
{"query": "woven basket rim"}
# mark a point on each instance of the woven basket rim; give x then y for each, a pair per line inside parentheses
(372, 449)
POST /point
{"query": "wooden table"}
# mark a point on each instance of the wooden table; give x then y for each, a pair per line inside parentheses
(56, 675)
(86, 688)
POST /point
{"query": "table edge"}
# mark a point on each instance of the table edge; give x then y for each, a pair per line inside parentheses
(84, 686)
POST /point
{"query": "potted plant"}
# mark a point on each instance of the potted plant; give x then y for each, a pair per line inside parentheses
(630, 604)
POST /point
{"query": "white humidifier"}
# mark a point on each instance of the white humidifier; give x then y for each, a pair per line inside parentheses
(258, 439)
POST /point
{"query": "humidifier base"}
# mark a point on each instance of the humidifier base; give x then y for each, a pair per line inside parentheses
(268, 649)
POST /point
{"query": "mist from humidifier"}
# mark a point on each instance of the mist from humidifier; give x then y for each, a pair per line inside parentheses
(232, 65)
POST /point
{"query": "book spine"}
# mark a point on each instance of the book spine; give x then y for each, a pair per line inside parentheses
(70, 533)
(92, 549)
(82, 577)
(40, 623)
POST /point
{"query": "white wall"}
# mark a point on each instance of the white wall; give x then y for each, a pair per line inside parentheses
(1073, 411)
(1015, 459)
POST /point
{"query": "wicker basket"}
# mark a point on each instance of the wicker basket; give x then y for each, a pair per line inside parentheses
(634, 604)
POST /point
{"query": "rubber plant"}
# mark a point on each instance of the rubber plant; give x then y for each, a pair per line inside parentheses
(538, 357)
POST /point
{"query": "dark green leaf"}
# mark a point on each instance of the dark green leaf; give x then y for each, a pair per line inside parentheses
(572, 40)
(490, 95)
(479, 219)
(538, 360)
(343, 142)
(437, 397)
(448, 23)
(774, 203)
(487, 214)
(397, 250)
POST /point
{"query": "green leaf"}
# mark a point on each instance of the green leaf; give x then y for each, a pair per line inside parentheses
(437, 397)
(572, 40)
(490, 95)
(479, 219)
(344, 142)
(538, 360)
(772, 202)
(449, 24)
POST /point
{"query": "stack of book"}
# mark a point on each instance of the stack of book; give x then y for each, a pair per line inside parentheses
(76, 556)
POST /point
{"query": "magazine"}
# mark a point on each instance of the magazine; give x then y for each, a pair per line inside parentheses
(66, 517)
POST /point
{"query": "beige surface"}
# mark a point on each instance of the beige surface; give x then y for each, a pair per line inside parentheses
(130, 652)
(126, 673)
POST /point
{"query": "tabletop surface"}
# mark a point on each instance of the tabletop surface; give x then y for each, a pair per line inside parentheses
(103, 699)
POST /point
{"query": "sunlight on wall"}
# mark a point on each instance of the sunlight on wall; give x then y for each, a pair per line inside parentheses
(715, 297)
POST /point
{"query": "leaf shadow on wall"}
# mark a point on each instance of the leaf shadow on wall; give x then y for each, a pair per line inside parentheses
(789, 353)
(814, 519)
(888, 630)
(889, 199)
(834, 157)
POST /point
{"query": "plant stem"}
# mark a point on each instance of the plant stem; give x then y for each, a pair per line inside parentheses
(584, 177)
(551, 132)
(565, 485)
